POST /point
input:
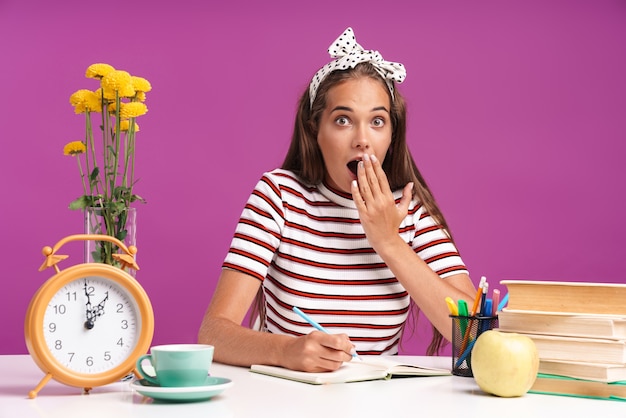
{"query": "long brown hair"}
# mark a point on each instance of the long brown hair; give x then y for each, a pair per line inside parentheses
(304, 157)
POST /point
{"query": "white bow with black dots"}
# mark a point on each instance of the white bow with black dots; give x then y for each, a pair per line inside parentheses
(348, 53)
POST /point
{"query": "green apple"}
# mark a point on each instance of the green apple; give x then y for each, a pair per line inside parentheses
(504, 363)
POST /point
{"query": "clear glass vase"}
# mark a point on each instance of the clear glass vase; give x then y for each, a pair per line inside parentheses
(121, 224)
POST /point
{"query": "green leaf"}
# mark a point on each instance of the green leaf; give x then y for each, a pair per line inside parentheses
(137, 198)
(81, 203)
(122, 235)
(94, 174)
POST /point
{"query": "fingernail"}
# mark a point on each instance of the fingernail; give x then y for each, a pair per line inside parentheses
(374, 159)
(354, 184)
(366, 157)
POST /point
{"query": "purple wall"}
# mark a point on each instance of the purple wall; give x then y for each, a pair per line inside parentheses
(517, 120)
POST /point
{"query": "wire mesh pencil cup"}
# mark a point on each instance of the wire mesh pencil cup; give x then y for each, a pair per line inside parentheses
(465, 331)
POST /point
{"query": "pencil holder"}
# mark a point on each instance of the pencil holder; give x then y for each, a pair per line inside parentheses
(465, 331)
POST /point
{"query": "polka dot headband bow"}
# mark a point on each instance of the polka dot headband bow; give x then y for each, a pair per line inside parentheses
(348, 54)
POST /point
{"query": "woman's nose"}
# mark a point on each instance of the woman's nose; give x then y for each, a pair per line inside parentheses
(361, 139)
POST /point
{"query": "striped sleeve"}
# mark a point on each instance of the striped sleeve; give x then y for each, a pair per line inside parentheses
(435, 247)
(258, 232)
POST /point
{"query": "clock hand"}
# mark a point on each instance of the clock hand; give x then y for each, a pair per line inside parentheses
(89, 315)
(99, 309)
(94, 313)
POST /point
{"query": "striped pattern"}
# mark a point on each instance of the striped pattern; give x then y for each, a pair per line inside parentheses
(308, 248)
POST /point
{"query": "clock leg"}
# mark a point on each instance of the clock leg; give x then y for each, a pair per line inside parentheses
(33, 393)
(86, 391)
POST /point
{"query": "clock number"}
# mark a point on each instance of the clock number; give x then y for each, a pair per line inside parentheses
(59, 309)
(107, 355)
(71, 296)
(120, 342)
(124, 324)
(71, 356)
(120, 308)
(58, 344)
(89, 290)
(52, 327)
(89, 361)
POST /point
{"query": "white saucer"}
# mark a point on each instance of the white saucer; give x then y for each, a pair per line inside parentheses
(211, 387)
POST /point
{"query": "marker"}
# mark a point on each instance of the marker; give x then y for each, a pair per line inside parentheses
(463, 312)
(318, 327)
(488, 307)
(451, 306)
(496, 302)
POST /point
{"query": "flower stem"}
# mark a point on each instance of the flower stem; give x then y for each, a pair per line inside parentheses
(117, 138)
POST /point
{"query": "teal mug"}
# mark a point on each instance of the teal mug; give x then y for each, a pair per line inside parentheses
(177, 365)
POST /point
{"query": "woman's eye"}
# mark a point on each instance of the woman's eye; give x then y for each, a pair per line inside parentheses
(378, 122)
(342, 121)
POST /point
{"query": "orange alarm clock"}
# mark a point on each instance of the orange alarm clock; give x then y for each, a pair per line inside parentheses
(88, 324)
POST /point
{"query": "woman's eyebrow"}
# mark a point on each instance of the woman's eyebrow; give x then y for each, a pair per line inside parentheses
(344, 108)
(349, 109)
(380, 108)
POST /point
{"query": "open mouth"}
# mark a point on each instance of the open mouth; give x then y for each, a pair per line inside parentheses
(352, 166)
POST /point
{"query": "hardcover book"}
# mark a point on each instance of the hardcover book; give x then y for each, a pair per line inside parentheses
(565, 386)
(564, 324)
(571, 297)
(601, 372)
(589, 350)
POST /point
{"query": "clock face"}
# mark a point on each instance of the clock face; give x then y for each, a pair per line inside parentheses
(91, 325)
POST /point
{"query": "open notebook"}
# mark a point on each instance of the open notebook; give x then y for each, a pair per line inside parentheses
(370, 368)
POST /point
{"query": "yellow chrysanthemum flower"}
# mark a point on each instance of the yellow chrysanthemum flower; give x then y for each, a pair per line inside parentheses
(118, 81)
(100, 94)
(125, 125)
(109, 94)
(140, 96)
(132, 110)
(141, 84)
(85, 101)
(74, 148)
(98, 70)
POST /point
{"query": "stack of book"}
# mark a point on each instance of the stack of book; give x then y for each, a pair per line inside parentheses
(579, 329)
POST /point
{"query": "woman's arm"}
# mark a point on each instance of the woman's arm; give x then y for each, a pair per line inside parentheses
(425, 286)
(241, 346)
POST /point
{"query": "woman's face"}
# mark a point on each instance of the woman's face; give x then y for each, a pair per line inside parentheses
(356, 121)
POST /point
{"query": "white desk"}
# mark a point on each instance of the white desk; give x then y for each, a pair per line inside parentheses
(255, 395)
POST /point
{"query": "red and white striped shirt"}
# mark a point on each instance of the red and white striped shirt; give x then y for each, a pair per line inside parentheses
(307, 247)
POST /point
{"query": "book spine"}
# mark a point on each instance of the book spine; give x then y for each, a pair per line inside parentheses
(581, 298)
(567, 349)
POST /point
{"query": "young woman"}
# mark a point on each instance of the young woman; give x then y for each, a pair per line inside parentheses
(346, 230)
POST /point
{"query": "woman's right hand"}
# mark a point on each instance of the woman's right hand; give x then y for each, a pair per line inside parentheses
(318, 352)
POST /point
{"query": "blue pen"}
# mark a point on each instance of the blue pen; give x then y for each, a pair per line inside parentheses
(483, 299)
(310, 320)
(484, 323)
(317, 326)
(466, 353)
(503, 302)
